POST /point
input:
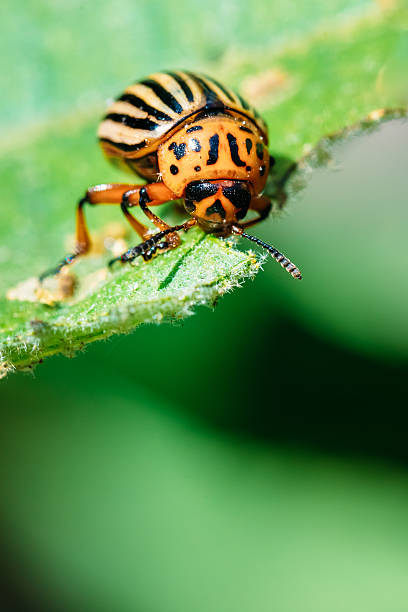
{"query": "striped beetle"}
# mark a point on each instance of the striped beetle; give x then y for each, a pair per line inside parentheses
(192, 138)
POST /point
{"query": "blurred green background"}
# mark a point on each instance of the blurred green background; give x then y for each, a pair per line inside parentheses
(249, 458)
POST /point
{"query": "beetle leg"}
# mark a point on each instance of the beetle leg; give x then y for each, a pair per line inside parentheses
(262, 206)
(111, 193)
(154, 194)
(99, 194)
(149, 247)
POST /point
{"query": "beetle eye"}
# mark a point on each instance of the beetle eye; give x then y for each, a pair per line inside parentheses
(198, 190)
(240, 196)
(241, 213)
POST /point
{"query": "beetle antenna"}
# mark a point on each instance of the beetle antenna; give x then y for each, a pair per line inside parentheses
(277, 255)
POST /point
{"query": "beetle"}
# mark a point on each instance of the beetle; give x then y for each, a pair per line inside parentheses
(191, 138)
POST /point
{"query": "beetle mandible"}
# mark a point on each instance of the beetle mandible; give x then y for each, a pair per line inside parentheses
(191, 138)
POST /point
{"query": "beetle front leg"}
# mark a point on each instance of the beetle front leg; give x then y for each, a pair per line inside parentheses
(111, 193)
(150, 246)
(153, 194)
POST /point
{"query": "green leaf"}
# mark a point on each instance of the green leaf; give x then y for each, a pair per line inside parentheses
(316, 81)
(201, 270)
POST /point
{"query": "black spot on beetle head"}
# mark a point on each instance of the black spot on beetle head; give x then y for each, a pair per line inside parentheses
(199, 190)
(240, 196)
(216, 208)
(178, 150)
(195, 145)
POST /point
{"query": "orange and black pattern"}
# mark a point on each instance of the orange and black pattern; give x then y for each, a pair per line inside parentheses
(144, 115)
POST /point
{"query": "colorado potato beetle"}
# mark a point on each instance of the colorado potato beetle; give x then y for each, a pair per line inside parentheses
(191, 138)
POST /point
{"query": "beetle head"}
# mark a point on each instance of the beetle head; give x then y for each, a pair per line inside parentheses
(217, 204)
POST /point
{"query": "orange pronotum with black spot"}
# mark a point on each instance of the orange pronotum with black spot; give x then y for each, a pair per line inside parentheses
(192, 138)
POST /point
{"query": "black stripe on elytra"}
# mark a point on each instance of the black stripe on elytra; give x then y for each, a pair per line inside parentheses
(165, 96)
(213, 152)
(132, 122)
(211, 97)
(187, 91)
(122, 146)
(233, 145)
(144, 196)
(194, 128)
(259, 150)
(198, 190)
(178, 150)
(245, 129)
(244, 103)
(139, 103)
(248, 144)
(225, 91)
(217, 207)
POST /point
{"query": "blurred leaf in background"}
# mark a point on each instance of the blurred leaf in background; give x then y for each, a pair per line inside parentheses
(114, 503)
(248, 458)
